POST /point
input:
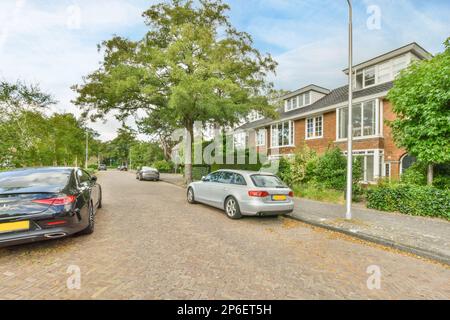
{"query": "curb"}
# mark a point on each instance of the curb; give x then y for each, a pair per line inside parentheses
(382, 241)
(173, 183)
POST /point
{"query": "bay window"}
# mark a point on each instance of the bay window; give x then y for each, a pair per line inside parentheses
(365, 119)
(282, 134)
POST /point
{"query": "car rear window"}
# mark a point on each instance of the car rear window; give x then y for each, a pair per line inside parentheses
(268, 181)
(28, 178)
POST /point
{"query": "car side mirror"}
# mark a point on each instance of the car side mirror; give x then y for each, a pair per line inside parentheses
(94, 178)
(204, 179)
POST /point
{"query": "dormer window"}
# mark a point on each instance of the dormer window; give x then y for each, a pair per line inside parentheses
(298, 101)
(369, 77)
(381, 73)
(254, 116)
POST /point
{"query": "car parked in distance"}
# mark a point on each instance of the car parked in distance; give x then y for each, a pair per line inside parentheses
(47, 203)
(102, 167)
(123, 168)
(147, 173)
(243, 193)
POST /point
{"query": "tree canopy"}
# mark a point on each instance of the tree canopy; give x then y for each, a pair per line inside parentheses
(421, 101)
(192, 65)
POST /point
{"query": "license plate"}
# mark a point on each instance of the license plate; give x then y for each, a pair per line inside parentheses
(14, 226)
(279, 198)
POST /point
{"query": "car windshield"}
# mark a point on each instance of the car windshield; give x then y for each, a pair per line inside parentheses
(260, 180)
(148, 169)
(30, 178)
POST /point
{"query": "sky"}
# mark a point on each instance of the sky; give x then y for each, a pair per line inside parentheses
(54, 43)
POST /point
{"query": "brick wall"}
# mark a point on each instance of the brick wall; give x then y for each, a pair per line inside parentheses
(392, 153)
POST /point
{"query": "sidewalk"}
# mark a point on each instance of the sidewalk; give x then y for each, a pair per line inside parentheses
(172, 178)
(425, 237)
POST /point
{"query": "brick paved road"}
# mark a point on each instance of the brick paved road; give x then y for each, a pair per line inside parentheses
(150, 244)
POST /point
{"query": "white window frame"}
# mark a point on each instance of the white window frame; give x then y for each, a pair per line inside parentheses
(300, 102)
(392, 75)
(314, 136)
(274, 134)
(240, 140)
(258, 143)
(378, 121)
(254, 116)
(377, 155)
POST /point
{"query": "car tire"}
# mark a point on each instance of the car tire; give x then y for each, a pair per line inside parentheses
(100, 204)
(90, 228)
(191, 196)
(232, 208)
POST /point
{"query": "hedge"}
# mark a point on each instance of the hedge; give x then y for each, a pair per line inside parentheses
(410, 199)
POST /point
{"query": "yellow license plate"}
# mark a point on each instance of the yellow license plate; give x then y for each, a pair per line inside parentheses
(279, 198)
(14, 226)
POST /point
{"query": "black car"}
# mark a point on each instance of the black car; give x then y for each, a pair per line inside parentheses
(47, 203)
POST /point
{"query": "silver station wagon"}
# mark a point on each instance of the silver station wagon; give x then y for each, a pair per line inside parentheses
(243, 193)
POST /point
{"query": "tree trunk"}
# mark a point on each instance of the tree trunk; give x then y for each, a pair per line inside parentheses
(188, 152)
(430, 175)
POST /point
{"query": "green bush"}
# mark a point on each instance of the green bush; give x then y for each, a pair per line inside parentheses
(300, 168)
(199, 171)
(331, 170)
(284, 170)
(415, 175)
(163, 166)
(410, 199)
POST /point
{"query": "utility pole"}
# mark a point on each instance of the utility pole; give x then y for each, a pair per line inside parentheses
(349, 197)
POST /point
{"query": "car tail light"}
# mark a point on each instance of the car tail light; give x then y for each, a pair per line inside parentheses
(59, 201)
(258, 194)
(291, 194)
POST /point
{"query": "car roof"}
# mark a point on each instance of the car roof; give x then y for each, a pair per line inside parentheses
(43, 169)
(246, 172)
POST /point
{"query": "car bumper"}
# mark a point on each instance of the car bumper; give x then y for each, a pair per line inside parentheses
(16, 238)
(150, 176)
(253, 208)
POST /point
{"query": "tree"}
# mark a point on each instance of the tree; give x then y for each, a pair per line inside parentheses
(191, 66)
(145, 154)
(421, 101)
(23, 127)
(126, 138)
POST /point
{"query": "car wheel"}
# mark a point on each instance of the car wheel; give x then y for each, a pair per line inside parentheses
(232, 208)
(191, 196)
(90, 228)
(100, 205)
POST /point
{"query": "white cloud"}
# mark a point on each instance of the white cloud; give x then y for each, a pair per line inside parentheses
(41, 46)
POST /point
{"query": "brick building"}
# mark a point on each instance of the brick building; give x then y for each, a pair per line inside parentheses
(318, 117)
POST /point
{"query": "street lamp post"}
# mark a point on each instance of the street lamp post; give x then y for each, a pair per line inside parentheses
(87, 151)
(348, 214)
